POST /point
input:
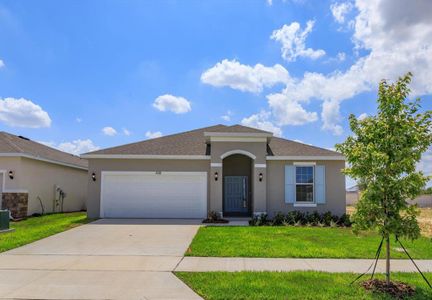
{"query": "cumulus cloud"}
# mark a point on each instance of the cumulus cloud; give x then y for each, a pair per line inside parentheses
(293, 40)
(126, 132)
(288, 111)
(340, 10)
(75, 147)
(109, 131)
(227, 116)
(261, 121)
(153, 134)
(230, 73)
(362, 116)
(425, 164)
(2, 64)
(177, 105)
(23, 113)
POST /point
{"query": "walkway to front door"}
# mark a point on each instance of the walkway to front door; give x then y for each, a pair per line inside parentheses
(236, 195)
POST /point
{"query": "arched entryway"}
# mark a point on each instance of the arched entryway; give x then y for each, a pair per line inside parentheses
(237, 185)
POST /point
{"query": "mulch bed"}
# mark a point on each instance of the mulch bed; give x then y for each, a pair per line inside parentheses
(396, 289)
(212, 221)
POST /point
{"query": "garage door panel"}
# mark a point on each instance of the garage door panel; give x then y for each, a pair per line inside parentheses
(151, 195)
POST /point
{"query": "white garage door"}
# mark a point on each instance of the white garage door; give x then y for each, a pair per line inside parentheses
(154, 195)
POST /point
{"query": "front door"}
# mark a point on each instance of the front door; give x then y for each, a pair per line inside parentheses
(236, 199)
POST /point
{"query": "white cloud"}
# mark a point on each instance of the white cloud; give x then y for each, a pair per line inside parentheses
(126, 132)
(78, 120)
(261, 121)
(109, 131)
(270, 2)
(23, 113)
(425, 163)
(288, 111)
(341, 56)
(245, 78)
(293, 41)
(153, 134)
(340, 10)
(362, 116)
(227, 116)
(178, 105)
(2, 64)
(75, 147)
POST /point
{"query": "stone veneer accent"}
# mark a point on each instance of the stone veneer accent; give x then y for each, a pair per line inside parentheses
(17, 203)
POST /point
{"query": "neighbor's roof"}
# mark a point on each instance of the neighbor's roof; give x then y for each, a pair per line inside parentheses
(194, 143)
(12, 145)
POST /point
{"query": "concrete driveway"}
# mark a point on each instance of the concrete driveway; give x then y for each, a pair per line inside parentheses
(106, 259)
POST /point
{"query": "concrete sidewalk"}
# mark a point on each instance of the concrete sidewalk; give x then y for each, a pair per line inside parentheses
(235, 264)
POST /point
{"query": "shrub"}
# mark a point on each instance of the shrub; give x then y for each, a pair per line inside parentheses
(278, 219)
(298, 218)
(345, 220)
(327, 218)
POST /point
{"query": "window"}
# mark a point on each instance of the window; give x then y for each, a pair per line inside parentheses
(304, 184)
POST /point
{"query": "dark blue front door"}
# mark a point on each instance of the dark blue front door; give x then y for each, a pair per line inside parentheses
(236, 194)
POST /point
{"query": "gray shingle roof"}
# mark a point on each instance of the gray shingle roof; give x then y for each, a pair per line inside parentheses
(10, 143)
(194, 143)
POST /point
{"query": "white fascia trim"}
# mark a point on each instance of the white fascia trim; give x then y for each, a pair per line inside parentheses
(304, 163)
(238, 151)
(260, 166)
(305, 205)
(15, 191)
(216, 165)
(145, 156)
(251, 139)
(42, 159)
(305, 158)
(238, 134)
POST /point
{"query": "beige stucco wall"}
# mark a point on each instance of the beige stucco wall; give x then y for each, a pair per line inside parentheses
(11, 164)
(38, 178)
(259, 195)
(335, 188)
(98, 165)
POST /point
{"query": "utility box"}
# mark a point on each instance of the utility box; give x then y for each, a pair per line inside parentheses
(4, 220)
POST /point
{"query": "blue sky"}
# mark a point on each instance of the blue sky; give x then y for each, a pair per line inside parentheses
(82, 66)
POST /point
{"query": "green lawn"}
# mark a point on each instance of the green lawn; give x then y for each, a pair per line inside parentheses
(291, 285)
(290, 241)
(36, 228)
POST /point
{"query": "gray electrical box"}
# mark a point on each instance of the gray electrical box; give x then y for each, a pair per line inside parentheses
(4, 220)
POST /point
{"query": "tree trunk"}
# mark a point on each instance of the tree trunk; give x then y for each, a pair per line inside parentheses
(388, 259)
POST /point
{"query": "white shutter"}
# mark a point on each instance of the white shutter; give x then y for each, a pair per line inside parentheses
(290, 191)
(320, 190)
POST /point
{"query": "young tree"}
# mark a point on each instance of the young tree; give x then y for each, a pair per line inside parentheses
(383, 153)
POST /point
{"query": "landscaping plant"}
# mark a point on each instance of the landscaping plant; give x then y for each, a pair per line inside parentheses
(383, 153)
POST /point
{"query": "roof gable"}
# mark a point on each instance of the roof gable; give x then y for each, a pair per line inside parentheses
(193, 143)
(13, 145)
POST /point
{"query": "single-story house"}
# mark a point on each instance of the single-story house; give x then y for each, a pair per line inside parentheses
(232, 170)
(35, 178)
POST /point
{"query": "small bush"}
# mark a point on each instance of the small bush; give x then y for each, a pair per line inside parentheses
(299, 218)
(344, 220)
(278, 219)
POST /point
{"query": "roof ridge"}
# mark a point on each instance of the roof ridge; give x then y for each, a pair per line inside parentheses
(161, 137)
(308, 145)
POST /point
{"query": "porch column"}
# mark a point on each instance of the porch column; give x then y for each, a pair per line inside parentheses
(259, 188)
(216, 187)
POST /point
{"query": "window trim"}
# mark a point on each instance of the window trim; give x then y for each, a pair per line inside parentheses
(305, 203)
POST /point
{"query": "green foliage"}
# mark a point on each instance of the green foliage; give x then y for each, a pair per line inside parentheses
(298, 218)
(382, 154)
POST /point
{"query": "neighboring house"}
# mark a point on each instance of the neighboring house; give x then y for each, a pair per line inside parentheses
(352, 195)
(233, 170)
(35, 177)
